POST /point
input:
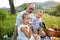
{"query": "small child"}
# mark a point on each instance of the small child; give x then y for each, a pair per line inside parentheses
(37, 20)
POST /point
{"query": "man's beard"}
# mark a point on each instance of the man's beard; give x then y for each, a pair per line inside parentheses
(30, 12)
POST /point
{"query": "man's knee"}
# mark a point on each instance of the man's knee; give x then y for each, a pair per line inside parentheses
(15, 31)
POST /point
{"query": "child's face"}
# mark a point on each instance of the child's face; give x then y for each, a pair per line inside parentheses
(39, 14)
(27, 19)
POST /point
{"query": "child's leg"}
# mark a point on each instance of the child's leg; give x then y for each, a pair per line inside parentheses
(42, 33)
(35, 30)
(32, 37)
(38, 37)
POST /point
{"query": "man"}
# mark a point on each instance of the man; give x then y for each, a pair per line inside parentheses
(29, 9)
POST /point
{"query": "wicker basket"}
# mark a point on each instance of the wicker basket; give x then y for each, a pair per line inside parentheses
(54, 33)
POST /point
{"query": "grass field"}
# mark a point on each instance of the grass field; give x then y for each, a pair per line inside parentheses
(7, 26)
(51, 21)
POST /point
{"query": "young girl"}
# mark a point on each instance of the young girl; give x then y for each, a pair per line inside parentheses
(24, 31)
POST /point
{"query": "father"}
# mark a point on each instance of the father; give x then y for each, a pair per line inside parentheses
(29, 9)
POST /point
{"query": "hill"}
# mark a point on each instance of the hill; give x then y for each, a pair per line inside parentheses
(39, 5)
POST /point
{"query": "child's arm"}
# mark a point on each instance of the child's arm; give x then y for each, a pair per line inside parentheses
(28, 34)
(35, 20)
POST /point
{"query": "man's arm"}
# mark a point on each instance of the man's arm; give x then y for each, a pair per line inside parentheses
(16, 25)
(15, 33)
(18, 21)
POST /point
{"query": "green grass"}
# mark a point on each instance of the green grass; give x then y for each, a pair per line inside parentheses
(50, 21)
(7, 26)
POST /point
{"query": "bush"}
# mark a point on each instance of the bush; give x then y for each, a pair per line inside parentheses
(7, 26)
(55, 13)
(56, 10)
(3, 14)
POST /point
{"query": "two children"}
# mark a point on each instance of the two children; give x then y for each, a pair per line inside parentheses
(24, 30)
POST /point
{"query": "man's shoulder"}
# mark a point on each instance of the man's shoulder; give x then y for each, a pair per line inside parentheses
(32, 14)
(22, 12)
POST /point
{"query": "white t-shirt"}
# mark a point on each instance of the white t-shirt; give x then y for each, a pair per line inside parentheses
(21, 35)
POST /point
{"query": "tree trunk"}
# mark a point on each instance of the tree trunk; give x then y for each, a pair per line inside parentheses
(12, 8)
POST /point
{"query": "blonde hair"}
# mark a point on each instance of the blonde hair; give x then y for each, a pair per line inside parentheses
(24, 16)
(41, 11)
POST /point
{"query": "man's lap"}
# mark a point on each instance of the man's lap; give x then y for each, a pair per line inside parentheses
(45, 38)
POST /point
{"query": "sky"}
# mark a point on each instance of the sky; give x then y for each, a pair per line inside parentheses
(5, 3)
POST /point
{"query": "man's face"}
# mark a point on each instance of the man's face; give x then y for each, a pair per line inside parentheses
(30, 8)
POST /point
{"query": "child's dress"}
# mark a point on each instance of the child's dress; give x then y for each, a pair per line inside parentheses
(21, 35)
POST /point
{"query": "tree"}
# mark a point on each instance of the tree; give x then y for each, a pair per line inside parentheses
(56, 11)
(24, 5)
(57, 8)
(12, 8)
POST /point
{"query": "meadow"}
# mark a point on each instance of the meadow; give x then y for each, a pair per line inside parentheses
(7, 26)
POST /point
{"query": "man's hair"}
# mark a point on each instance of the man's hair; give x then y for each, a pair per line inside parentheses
(30, 4)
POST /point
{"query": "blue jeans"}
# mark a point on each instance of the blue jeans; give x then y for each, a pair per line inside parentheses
(45, 38)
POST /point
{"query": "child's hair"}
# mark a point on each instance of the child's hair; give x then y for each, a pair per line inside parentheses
(24, 15)
(41, 11)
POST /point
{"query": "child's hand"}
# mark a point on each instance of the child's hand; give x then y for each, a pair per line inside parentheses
(35, 35)
(30, 25)
(36, 19)
(54, 38)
